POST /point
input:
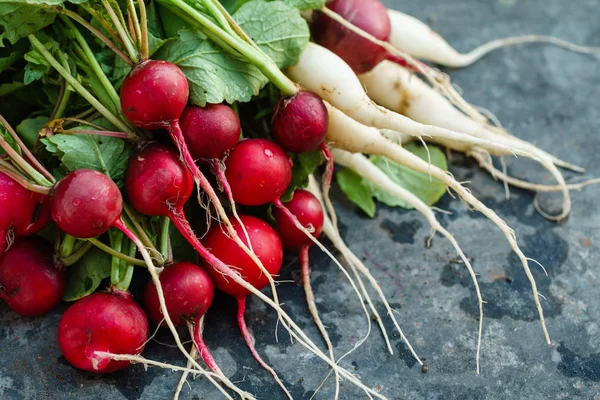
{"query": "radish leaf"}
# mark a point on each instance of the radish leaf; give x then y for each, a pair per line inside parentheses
(85, 275)
(357, 191)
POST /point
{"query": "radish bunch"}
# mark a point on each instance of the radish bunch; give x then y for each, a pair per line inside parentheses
(198, 106)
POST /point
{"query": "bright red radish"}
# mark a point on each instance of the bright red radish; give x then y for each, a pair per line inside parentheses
(86, 203)
(258, 172)
(103, 322)
(31, 281)
(267, 247)
(154, 94)
(300, 122)
(188, 293)
(369, 15)
(22, 212)
(210, 131)
(307, 209)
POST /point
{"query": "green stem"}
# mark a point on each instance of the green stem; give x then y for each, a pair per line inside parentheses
(76, 85)
(122, 32)
(220, 36)
(126, 281)
(144, 47)
(141, 231)
(103, 38)
(24, 165)
(116, 244)
(62, 104)
(76, 256)
(7, 169)
(134, 19)
(92, 62)
(66, 246)
(124, 257)
(164, 239)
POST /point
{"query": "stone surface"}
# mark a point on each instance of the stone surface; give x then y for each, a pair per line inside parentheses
(543, 94)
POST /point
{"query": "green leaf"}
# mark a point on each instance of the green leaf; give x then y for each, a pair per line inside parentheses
(357, 191)
(430, 190)
(304, 165)
(277, 28)
(214, 76)
(85, 275)
(19, 19)
(7, 88)
(10, 140)
(8, 60)
(101, 153)
(306, 4)
(28, 129)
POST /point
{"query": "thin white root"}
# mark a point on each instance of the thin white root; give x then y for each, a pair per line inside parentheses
(339, 244)
(184, 376)
(324, 249)
(135, 359)
(323, 72)
(417, 100)
(438, 79)
(362, 166)
(536, 187)
(314, 312)
(420, 41)
(350, 135)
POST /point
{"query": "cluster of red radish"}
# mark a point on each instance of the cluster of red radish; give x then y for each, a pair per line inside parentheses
(86, 204)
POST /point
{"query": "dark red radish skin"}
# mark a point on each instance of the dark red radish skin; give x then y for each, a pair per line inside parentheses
(86, 203)
(103, 322)
(31, 282)
(300, 122)
(156, 181)
(210, 131)
(188, 292)
(369, 15)
(258, 171)
(154, 94)
(22, 212)
(308, 211)
(263, 240)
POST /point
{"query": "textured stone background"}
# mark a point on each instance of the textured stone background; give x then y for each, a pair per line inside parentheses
(543, 94)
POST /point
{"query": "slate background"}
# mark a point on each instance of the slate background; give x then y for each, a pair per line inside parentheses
(543, 94)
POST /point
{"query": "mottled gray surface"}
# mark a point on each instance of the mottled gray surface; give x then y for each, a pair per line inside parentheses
(543, 94)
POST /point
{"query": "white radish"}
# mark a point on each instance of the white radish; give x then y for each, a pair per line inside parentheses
(363, 167)
(412, 97)
(420, 41)
(350, 135)
(323, 72)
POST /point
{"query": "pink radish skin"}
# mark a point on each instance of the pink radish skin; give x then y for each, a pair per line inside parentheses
(266, 246)
(31, 282)
(106, 322)
(300, 122)
(307, 209)
(210, 131)
(258, 171)
(86, 203)
(369, 15)
(154, 94)
(22, 212)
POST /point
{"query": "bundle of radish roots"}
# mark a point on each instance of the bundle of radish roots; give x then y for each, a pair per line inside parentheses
(144, 112)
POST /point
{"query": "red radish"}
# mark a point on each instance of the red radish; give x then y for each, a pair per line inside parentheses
(188, 293)
(86, 203)
(369, 15)
(210, 131)
(31, 281)
(267, 247)
(103, 322)
(154, 94)
(307, 209)
(300, 122)
(258, 172)
(22, 212)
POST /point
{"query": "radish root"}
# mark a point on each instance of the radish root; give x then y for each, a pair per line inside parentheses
(362, 166)
(350, 135)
